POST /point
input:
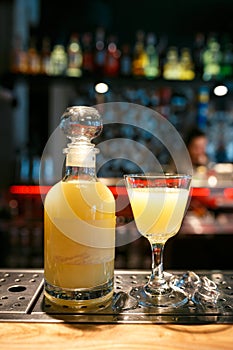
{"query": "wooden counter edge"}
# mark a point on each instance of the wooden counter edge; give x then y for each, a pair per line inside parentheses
(122, 336)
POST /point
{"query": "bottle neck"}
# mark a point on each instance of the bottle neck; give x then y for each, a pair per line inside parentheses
(80, 164)
(73, 173)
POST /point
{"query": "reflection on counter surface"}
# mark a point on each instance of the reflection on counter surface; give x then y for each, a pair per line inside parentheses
(204, 241)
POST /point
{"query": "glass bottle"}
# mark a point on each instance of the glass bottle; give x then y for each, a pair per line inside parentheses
(88, 54)
(171, 69)
(112, 58)
(187, 71)
(33, 58)
(125, 61)
(226, 70)
(79, 221)
(198, 48)
(58, 60)
(74, 57)
(212, 57)
(139, 55)
(19, 60)
(45, 56)
(100, 51)
(152, 64)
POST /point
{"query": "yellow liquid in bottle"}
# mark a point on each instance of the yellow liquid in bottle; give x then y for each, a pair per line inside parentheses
(158, 212)
(79, 239)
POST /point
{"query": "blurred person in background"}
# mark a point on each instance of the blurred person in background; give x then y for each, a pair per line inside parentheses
(196, 143)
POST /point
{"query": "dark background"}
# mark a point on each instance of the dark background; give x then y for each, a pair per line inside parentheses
(179, 19)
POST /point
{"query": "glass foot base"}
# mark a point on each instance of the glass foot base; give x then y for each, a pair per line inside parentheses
(171, 299)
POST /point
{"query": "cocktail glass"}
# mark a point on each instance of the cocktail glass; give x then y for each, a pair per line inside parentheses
(159, 203)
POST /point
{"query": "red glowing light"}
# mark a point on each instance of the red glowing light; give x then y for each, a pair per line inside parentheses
(200, 192)
(29, 189)
(228, 193)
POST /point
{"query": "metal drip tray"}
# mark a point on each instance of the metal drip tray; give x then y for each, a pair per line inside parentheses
(22, 300)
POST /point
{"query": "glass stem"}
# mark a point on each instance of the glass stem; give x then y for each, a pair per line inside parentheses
(157, 284)
(157, 262)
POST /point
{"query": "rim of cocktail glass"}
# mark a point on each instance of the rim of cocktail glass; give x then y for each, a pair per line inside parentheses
(162, 176)
(159, 175)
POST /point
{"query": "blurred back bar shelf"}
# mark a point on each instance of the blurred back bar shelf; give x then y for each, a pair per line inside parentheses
(41, 100)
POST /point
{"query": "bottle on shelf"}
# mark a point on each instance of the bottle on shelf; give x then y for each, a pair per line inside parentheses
(162, 51)
(88, 54)
(74, 57)
(79, 221)
(58, 60)
(33, 58)
(112, 58)
(19, 62)
(171, 69)
(139, 55)
(125, 61)
(212, 57)
(197, 53)
(187, 71)
(100, 51)
(226, 69)
(152, 62)
(45, 56)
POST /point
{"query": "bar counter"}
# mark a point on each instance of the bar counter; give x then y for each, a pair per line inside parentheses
(99, 337)
(28, 321)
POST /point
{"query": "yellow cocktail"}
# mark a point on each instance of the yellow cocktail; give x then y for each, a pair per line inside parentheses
(158, 212)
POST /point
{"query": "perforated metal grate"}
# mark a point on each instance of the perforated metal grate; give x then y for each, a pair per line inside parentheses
(22, 299)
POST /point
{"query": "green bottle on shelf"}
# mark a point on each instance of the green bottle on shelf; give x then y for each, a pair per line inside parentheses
(212, 57)
(152, 58)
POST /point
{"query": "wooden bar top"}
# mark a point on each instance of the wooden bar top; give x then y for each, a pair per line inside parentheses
(70, 336)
